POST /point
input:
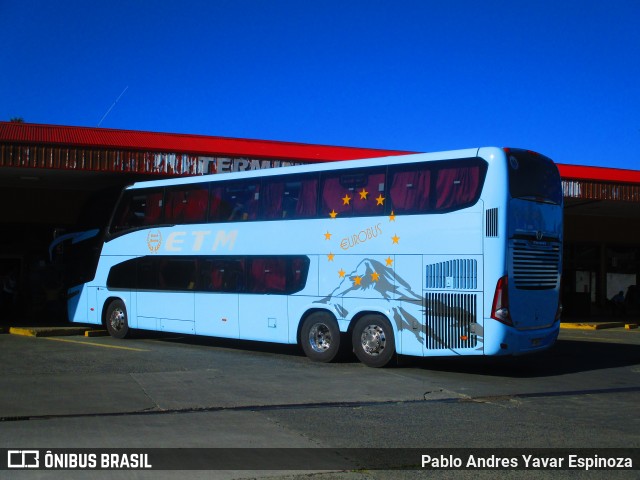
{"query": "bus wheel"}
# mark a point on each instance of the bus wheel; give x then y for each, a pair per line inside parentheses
(320, 337)
(373, 341)
(116, 319)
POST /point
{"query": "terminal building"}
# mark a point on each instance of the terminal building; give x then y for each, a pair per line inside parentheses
(56, 180)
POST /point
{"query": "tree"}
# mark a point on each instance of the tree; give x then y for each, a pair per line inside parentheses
(16, 120)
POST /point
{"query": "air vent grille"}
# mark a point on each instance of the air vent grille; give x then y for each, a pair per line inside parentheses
(492, 222)
(450, 320)
(536, 267)
(459, 274)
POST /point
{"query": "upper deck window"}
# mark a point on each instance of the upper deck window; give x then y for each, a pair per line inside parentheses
(437, 187)
(357, 192)
(415, 188)
(138, 209)
(187, 204)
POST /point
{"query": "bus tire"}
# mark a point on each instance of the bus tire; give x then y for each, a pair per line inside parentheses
(116, 319)
(373, 340)
(320, 337)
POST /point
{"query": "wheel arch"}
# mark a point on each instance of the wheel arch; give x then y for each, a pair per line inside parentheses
(383, 313)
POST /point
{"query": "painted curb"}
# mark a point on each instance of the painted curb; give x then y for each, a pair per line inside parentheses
(46, 331)
(592, 326)
(96, 333)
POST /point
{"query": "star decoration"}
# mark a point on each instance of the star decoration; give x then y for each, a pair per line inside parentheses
(346, 199)
(395, 239)
(392, 217)
(341, 273)
(380, 200)
(357, 280)
(363, 194)
(331, 256)
(333, 214)
(327, 236)
(389, 261)
(375, 276)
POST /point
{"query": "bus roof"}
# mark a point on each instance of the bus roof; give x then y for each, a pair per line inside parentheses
(319, 167)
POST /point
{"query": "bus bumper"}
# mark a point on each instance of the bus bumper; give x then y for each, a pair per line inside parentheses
(501, 339)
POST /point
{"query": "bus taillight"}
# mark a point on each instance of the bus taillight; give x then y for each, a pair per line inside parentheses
(500, 308)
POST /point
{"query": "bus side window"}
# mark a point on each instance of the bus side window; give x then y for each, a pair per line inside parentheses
(273, 191)
(188, 205)
(354, 192)
(221, 275)
(457, 187)
(241, 201)
(253, 201)
(268, 275)
(124, 216)
(153, 209)
(336, 199)
(177, 274)
(368, 198)
(174, 205)
(289, 198)
(123, 275)
(137, 209)
(299, 268)
(147, 273)
(196, 210)
(410, 189)
(307, 201)
(219, 208)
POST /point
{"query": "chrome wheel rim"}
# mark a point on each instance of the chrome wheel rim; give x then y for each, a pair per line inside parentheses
(117, 320)
(320, 337)
(373, 340)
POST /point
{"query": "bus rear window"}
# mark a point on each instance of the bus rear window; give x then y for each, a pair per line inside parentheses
(533, 177)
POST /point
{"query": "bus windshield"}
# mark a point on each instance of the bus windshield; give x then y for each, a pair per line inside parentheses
(533, 177)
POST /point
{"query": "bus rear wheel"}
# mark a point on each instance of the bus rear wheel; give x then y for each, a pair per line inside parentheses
(373, 341)
(116, 319)
(320, 337)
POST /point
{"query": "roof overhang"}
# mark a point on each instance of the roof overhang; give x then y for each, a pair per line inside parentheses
(587, 190)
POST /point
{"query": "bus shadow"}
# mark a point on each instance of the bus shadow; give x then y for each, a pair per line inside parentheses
(565, 357)
(225, 343)
(289, 350)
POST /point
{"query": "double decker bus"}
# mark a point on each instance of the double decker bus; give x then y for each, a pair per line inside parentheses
(451, 253)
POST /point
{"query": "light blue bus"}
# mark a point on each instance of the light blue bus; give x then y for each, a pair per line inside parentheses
(451, 253)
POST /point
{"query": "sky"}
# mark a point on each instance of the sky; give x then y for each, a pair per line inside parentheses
(561, 77)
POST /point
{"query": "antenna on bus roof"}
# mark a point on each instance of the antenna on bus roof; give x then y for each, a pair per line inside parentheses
(113, 105)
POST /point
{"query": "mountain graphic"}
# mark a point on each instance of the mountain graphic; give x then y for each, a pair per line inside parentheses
(393, 288)
(387, 285)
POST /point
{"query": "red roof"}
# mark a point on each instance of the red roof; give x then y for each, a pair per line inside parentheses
(601, 174)
(180, 143)
(237, 147)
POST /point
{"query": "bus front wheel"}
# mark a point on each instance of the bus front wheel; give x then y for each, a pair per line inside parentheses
(320, 337)
(373, 341)
(116, 319)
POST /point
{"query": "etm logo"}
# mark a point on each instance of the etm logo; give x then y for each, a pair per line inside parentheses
(23, 459)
